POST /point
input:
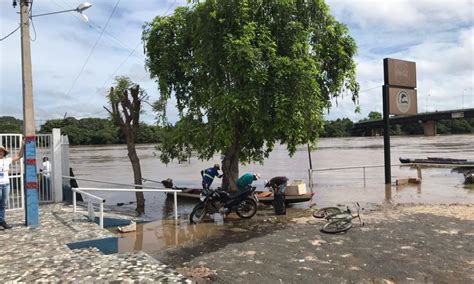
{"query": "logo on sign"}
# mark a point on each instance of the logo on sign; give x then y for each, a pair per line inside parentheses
(403, 101)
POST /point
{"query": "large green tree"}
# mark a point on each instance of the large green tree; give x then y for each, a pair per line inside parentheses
(246, 75)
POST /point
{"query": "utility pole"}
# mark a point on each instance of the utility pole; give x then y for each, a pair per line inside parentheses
(30, 179)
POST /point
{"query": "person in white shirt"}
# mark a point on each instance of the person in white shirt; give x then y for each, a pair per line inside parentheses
(45, 170)
(5, 181)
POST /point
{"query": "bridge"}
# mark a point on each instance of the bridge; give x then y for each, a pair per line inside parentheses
(428, 119)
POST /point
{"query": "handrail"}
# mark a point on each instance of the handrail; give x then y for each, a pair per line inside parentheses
(353, 167)
(108, 182)
(310, 171)
(174, 191)
(131, 190)
(101, 203)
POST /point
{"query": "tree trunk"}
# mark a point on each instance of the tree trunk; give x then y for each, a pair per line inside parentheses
(230, 167)
(137, 177)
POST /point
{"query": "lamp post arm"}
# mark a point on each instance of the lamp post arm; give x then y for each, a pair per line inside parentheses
(52, 13)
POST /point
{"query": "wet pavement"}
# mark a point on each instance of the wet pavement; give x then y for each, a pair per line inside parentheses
(401, 243)
(41, 254)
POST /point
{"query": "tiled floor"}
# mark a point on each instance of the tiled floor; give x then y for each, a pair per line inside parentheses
(41, 254)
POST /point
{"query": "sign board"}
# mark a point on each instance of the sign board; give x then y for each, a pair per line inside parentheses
(399, 73)
(457, 115)
(402, 101)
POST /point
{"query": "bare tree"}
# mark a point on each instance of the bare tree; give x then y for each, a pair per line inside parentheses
(125, 100)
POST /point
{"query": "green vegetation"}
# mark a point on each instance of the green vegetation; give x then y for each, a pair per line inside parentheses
(247, 75)
(86, 131)
(101, 131)
(10, 124)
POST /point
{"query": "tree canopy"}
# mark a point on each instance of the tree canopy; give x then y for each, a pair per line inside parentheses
(248, 74)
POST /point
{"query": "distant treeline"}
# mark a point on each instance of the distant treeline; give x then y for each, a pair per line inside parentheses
(86, 131)
(95, 131)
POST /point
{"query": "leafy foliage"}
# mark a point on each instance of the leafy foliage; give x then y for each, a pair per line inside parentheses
(247, 74)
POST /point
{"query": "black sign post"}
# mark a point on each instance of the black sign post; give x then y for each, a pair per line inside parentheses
(386, 135)
(397, 74)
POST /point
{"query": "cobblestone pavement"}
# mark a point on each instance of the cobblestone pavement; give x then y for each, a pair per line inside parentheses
(41, 254)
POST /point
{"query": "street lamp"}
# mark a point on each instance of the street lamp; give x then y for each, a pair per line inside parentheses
(31, 181)
(81, 8)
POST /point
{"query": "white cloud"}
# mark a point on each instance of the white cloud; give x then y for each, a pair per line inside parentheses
(437, 35)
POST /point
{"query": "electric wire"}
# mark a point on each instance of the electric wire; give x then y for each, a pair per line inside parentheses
(5, 37)
(31, 19)
(93, 48)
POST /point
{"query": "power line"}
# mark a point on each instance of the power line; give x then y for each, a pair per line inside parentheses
(93, 48)
(370, 89)
(3, 38)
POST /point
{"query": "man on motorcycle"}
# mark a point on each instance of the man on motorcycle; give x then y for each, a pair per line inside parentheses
(246, 180)
(209, 174)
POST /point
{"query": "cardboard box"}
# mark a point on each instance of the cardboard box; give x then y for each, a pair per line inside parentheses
(297, 187)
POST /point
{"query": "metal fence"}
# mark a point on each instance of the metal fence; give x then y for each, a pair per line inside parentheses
(44, 148)
(13, 142)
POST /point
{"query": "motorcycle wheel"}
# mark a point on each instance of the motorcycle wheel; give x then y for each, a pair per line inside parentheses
(198, 213)
(246, 208)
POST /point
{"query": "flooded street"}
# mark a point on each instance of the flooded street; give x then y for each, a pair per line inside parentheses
(332, 187)
(439, 185)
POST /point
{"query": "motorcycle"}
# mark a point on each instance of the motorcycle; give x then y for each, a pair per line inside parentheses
(219, 201)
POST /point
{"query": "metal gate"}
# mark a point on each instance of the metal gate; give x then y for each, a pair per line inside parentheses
(13, 142)
(44, 148)
(44, 163)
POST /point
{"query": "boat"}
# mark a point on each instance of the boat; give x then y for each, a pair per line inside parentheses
(264, 197)
(438, 161)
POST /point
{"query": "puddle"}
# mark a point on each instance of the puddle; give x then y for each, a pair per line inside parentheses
(161, 234)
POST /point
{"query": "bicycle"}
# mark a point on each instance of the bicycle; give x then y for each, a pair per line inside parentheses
(338, 220)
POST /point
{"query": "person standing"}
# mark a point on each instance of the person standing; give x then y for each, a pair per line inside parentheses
(246, 180)
(5, 181)
(45, 171)
(209, 174)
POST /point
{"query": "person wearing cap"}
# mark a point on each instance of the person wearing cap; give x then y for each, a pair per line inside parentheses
(5, 181)
(246, 180)
(209, 174)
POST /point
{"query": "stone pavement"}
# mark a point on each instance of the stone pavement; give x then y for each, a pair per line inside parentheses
(41, 254)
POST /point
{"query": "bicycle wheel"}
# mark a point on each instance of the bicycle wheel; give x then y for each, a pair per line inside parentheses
(337, 226)
(324, 212)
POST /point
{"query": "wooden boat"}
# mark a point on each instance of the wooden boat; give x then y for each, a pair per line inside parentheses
(438, 161)
(264, 197)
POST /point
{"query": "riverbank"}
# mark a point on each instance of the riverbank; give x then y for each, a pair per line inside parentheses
(399, 243)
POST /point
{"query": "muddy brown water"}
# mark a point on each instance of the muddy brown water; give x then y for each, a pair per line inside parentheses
(332, 187)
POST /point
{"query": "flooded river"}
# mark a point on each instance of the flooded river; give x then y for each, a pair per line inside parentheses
(332, 186)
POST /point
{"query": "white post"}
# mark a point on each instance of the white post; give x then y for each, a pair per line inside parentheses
(74, 201)
(64, 159)
(101, 220)
(175, 206)
(56, 179)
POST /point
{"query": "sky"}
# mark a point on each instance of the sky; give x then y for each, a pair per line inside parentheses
(74, 63)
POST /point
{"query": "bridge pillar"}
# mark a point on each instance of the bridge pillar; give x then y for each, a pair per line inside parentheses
(429, 128)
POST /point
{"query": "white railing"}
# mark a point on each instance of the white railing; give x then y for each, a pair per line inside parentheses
(310, 171)
(146, 189)
(174, 191)
(101, 203)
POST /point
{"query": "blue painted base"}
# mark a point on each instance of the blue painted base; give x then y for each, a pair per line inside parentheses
(31, 208)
